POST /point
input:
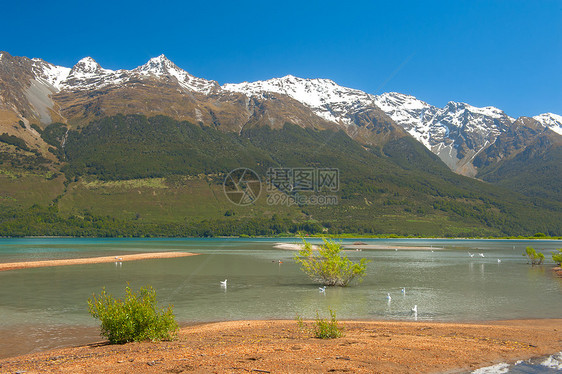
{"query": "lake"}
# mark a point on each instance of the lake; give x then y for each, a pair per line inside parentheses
(46, 307)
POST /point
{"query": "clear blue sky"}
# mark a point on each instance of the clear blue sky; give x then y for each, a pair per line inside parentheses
(502, 53)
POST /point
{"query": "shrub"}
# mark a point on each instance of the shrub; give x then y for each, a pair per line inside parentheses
(327, 329)
(535, 257)
(135, 318)
(14, 140)
(557, 256)
(330, 267)
(323, 328)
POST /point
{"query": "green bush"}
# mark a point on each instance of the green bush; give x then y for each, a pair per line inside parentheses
(535, 257)
(327, 329)
(135, 318)
(557, 256)
(323, 328)
(330, 267)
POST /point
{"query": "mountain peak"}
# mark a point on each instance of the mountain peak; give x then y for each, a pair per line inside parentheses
(162, 57)
(550, 120)
(160, 65)
(87, 65)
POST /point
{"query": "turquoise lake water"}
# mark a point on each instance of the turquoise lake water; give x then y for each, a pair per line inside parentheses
(46, 307)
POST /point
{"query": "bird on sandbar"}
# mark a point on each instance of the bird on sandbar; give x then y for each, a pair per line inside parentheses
(415, 309)
(471, 254)
(223, 283)
(322, 289)
(481, 254)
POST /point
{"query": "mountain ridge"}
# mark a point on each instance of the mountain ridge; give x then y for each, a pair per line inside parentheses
(463, 136)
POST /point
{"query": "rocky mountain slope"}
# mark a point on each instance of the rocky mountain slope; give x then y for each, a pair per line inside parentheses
(463, 136)
(456, 133)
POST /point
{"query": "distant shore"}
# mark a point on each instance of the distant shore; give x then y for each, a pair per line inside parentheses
(91, 260)
(280, 347)
(311, 236)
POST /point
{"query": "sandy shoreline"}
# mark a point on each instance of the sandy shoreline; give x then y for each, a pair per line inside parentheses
(92, 260)
(280, 347)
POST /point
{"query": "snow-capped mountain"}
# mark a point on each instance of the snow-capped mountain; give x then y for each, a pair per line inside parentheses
(456, 133)
(327, 99)
(87, 74)
(410, 113)
(550, 120)
(162, 67)
(35, 90)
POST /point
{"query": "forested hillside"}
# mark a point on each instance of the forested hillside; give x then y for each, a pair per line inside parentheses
(138, 176)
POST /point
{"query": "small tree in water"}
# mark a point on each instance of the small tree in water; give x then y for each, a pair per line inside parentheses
(329, 267)
(557, 256)
(535, 257)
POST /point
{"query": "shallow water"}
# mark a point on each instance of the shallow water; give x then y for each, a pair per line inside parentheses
(539, 365)
(443, 281)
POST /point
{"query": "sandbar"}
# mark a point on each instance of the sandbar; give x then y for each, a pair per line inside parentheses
(348, 246)
(91, 260)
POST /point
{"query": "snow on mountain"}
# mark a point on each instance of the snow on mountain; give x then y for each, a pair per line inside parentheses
(456, 132)
(88, 74)
(550, 120)
(410, 113)
(161, 66)
(430, 124)
(87, 67)
(327, 99)
(48, 73)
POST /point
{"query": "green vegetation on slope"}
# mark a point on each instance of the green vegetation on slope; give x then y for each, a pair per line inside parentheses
(134, 176)
(130, 147)
(534, 172)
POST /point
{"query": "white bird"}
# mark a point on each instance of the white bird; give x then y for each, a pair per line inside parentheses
(388, 297)
(322, 289)
(223, 283)
(499, 260)
(415, 309)
(481, 254)
(404, 290)
(471, 254)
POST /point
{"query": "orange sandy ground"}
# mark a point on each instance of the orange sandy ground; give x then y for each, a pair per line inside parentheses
(91, 260)
(280, 347)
